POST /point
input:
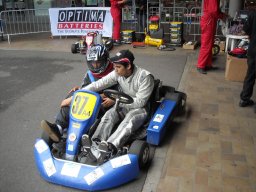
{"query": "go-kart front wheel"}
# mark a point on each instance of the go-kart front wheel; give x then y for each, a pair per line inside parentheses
(74, 48)
(142, 150)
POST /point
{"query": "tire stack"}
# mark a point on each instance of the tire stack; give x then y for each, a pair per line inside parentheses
(176, 33)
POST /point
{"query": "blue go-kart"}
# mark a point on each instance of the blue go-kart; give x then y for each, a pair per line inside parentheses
(65, 163)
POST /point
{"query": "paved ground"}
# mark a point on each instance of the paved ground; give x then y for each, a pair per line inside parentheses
(212, 148)
(215, 148)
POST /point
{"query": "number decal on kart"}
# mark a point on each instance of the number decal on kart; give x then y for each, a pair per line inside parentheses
(83, 105)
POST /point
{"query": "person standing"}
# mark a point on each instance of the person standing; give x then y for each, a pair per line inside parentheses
(211, 14)
(116, 12)
(249, 81)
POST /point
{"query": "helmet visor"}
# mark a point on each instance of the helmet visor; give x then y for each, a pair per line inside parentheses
(97, 66)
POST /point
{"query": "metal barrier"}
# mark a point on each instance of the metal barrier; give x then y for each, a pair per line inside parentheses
(1, 29)
(194, 24)
(25, 21)
(194, 18)
(138, 22)
(190, 18)
(169, 14)
(134, 20)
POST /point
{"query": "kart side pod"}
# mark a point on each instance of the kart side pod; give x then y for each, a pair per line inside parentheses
(157, 125)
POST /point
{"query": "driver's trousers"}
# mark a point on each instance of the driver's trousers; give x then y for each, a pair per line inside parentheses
(132, 120)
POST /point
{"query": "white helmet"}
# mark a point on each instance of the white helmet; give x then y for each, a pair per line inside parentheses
(97, 58)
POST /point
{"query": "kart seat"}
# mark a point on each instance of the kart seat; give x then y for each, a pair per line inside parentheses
(153, 103)
(155, 96)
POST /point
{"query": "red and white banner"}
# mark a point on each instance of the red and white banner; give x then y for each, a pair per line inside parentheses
(80, 21)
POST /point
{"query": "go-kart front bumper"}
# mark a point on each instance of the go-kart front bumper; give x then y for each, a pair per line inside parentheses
(113, 173)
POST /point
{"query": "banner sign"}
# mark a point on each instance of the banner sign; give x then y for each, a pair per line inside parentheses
(80, 21)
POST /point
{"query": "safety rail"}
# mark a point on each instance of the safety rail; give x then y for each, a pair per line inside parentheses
(25, 21)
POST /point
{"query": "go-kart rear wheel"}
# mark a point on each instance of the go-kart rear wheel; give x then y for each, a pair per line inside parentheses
(74, 48)
(109, 44)
(142, 150)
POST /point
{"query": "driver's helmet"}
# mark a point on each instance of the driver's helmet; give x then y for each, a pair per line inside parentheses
(97, 58)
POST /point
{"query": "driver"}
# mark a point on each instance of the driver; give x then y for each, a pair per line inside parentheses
(133, 81)
(99, 66)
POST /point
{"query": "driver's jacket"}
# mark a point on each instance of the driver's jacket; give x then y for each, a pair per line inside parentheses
(139, 86)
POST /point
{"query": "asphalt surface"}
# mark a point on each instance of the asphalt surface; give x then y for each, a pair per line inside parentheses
(32, 84)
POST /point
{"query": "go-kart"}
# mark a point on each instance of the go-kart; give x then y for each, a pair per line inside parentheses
(87, 41)
(66, 165)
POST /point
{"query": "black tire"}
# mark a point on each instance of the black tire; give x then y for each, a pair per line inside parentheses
(109, 44)
(142, 150)
(47, 139)
(182, 104)
(215, 50)
(74, 48)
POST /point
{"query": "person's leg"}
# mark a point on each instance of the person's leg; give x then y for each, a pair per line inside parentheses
(55, 130)
(116, 15)
(212, 28)
(62, 117)
(132, 121)
(106, 125)
(206, 42)
(249, 82)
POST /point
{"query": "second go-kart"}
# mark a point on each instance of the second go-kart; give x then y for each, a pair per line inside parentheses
(64, 163)
(88, 40)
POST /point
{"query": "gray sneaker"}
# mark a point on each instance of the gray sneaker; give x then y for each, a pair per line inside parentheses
(105, 152)
(86, 142)
(86, 147)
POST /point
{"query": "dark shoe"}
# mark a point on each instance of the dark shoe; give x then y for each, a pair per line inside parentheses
(201, 70)
(52, 130)
(211, 68)
(246, 103)
(59, 147)
(104, 151)
(86, 142)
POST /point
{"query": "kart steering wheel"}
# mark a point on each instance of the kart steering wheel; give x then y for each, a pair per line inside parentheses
(117, 95)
